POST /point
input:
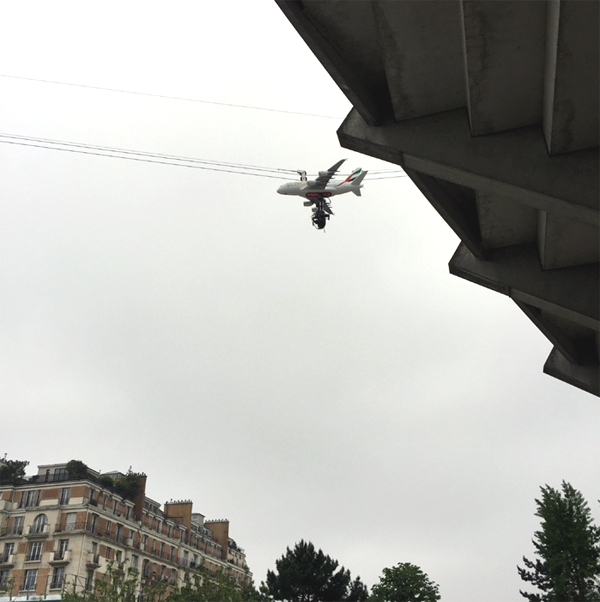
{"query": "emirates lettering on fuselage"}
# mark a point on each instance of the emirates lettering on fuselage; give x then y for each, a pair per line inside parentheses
(315, 195)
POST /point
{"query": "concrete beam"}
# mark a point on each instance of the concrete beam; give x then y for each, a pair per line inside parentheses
(564, 243)
(343, 37)
(504, 222)
(586, 378)
(571, 105)
(513, 164)
(422, 49)
(504, 54)
(571, 294)
(457, 206)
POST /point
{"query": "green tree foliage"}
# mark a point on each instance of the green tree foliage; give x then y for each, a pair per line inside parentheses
(77, 469)
(128, 486)
(115, 586)
(218, 588)
(405, 583)
(10, 470)
(568, 567)
(305, 575)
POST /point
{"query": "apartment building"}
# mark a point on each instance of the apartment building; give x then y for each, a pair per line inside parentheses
(56, 528)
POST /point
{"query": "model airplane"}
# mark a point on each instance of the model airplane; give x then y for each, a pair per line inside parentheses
(318, 191)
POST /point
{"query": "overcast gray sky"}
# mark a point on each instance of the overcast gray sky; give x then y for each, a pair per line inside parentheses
(339, 387)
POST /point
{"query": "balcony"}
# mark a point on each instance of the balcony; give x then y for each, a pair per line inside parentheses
(60, 558)
(38, 531)
(93, 561)
(7, 561)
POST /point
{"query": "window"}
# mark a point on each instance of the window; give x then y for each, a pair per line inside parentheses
(61, 474)
(145, 543)
(32, 498)
(63, 545)
(94, 523)
(35, 551)
(119, 556)
(170, 531)
(89, 580)
(128, 513)
(158, 526)
(17, 527)
(40, 521)
(162, 550)
(30, 579)
(94, 547)
(185, 557)
(70, 521)
(172, 553)
(134, 562)
(3, 579)
(57, 578)
(65, 496)
(119, 529)
(108, 527)
(108, 551)
(146, 567)
(8, 549)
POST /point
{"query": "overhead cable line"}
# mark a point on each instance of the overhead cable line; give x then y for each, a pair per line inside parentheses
(208, 102)
(164, 159)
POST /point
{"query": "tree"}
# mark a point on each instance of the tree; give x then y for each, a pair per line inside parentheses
(11, 470)
(568, 567)
(405, 583)
(305, 575)
(115, 586)
(218, 588)
(128, 486)
(77, 469)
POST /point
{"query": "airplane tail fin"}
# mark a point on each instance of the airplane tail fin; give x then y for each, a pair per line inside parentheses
(357, 183)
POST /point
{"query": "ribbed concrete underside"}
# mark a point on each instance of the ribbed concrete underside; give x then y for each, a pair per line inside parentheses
(492, 109)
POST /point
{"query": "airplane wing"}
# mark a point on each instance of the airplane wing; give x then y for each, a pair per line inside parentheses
(324, 176)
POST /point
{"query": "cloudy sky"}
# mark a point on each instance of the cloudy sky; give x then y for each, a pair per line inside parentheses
(338, 387)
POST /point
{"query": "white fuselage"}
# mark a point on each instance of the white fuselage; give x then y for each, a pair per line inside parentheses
(306, 190)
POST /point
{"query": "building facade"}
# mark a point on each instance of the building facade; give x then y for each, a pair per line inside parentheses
(57, 529)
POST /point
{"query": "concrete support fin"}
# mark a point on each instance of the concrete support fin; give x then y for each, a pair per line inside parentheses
(504, 50)
(423, 65)
(571, 104)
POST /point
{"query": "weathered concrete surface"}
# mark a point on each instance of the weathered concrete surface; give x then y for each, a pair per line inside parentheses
(492, 109)
(504, 44)
(409, 52)
(513, 163)
(516, 271)
(583, 377)
(571, 87)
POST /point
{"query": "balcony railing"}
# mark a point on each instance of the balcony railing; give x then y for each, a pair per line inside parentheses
(7, 558)
(43, 529)
(61, 557)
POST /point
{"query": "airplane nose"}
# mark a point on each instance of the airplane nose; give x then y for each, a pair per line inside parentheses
(280, 189)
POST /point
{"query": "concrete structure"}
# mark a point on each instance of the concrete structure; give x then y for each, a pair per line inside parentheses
(55, 529)
(492, 110)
